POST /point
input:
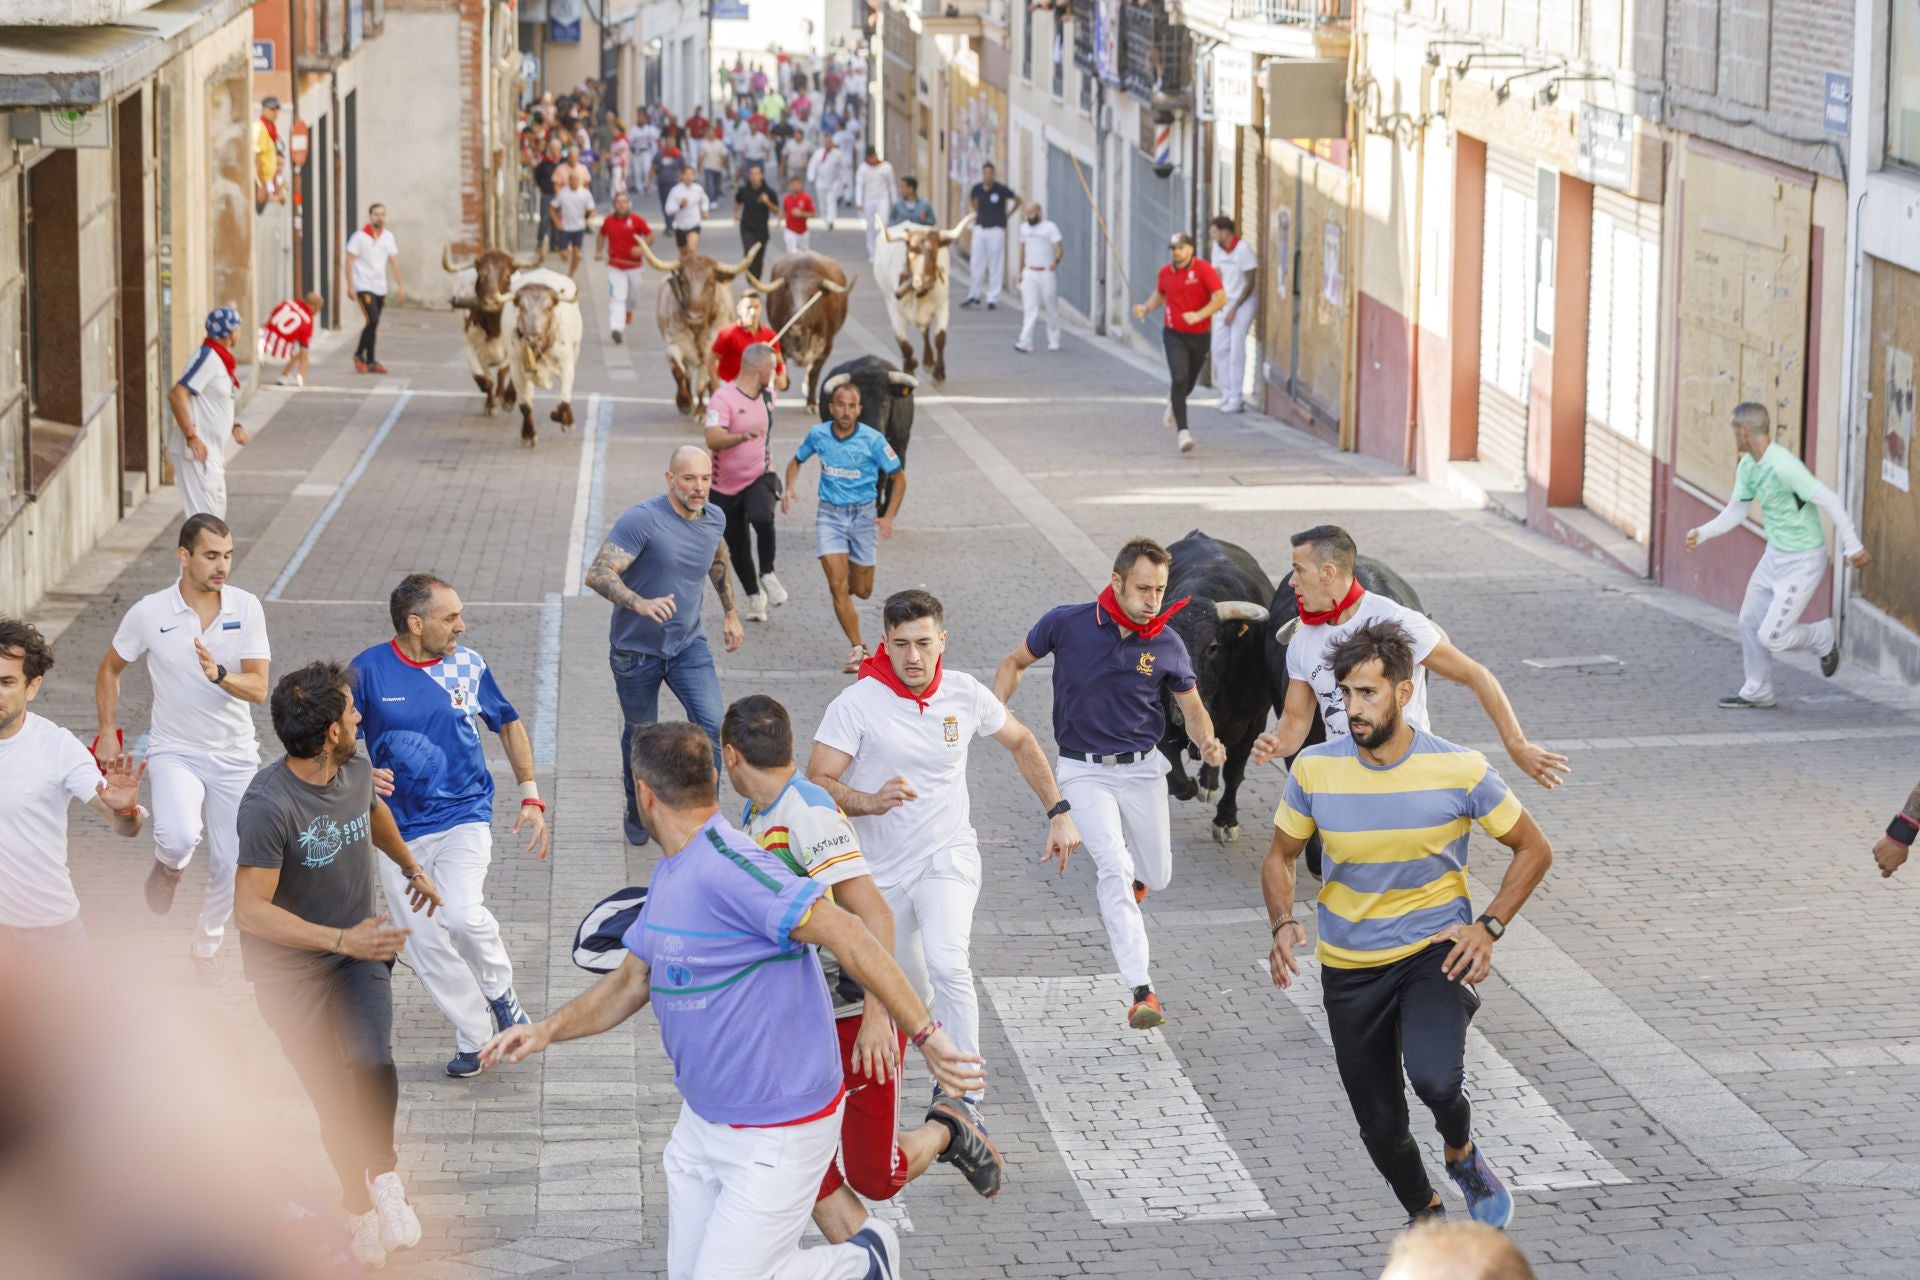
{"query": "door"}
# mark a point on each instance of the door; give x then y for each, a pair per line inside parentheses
(1506, 314)
(1305, 256)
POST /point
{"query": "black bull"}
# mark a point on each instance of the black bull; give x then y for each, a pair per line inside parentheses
(886, 405)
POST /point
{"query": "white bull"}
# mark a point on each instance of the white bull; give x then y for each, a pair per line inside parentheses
(910, 266)
(481, 286)
(543, 328)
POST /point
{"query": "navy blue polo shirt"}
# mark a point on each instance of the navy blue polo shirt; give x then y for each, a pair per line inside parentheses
(1106, 679)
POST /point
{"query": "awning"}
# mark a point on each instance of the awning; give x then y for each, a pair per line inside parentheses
(88, 66)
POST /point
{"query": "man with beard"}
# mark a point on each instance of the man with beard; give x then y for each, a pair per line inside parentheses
(1400, 949)
(1112, 659)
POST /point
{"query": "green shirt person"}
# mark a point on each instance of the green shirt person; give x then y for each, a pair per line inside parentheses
(1784, 582)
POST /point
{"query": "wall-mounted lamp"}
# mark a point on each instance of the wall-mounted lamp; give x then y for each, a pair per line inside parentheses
(1504, 89)
(1549, 93)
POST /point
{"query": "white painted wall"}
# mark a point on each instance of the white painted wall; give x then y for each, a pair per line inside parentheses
(417, 171)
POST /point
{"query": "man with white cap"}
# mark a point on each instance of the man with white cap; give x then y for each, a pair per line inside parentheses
(203, 403)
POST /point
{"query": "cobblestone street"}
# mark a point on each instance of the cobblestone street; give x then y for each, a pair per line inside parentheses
(1699, 1053)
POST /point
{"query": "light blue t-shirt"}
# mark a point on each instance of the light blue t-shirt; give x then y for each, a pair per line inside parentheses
(420, 722)
(849, 469)
(671, 556)
(743, 1008)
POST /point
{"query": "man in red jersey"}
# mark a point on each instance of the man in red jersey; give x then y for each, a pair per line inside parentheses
(1190, 289)
(618, 245)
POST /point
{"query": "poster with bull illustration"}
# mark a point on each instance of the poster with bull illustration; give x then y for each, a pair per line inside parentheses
(1894, 457)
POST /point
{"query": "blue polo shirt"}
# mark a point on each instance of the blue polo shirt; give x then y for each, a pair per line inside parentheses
(1107, 680)
(671, 556)
(423, 722)
(849, 469)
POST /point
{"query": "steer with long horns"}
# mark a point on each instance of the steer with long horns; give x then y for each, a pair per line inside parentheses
(543, 327)
(910, 267)
(807, 302)
(696, 302)
(486, 344)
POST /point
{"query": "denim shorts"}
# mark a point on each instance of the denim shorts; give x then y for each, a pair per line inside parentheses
(847, 531)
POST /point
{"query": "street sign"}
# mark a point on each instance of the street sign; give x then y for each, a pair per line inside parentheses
(1837, 115)
(297, 143)
(263, 55)
(75, 127)
(1603, 147)
(730, 10)
(1232, 85)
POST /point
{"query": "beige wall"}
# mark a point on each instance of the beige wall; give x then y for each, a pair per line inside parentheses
(197, 188)
(417, 171)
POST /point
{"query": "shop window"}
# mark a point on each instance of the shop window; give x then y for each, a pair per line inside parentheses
(1903, 83)
(53, 348)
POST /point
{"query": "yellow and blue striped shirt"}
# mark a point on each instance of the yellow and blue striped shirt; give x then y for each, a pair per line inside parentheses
(1395, 841)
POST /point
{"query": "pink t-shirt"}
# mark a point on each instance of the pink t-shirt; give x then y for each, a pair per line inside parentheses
(743, 415)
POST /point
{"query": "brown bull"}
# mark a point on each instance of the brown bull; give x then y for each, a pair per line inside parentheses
(814, 288)
(696, 302)
(910, 268)
(486, 344)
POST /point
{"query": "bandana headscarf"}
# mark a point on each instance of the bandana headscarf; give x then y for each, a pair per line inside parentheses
(879, 667)
(1145, 630)
(222, 322)
(1320, 617)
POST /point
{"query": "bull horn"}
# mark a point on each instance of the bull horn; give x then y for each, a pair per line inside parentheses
(448, 265)
(834, 383)
(831, 287)
(899, 379)
(759, 284)
(1239, 611)
(646, 251)
(887, 235)
(573, 295)
(948, 237)
(528, 264)
(729, 272)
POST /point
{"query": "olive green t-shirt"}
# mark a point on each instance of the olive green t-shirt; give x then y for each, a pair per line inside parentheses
(1785, 490)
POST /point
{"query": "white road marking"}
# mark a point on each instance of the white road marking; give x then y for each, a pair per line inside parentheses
(1729, 738)
(339, 496)
(594, 527)
(582, 496)
(1084, 1065)
(1527, 1142)
(546, 697)
(441, 394)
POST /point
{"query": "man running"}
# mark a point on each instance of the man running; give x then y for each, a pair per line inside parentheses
(739, 427)
(371, 251)
(991, 200)
(846, 532)
(872, 193)
(572, 212)
(1190, 289)
(686, 208)
(797, 208)
(827, 170)
(203, 405)
(649, 568)
(725, 942)
(798, 822)
(1040, 252)
(44, 766)
(1400, 949)
(320, 960)
(1239, 271)
(1113, 658)
(892, 752)
(423, 696)
(618, 245)
(1790, 570)
(732, 342)
(910, 207)
(543, 182)
(754, 204)
(205, 642)
(287, 336)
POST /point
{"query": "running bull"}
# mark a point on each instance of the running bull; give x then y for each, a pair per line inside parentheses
(910, 268)
(814, 288)
(696, 303)
(493, 273)
(542, 323)
(1224, 628)
(886, 405)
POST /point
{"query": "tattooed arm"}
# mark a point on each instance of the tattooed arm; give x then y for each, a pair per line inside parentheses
(1890, 852)
(604, 577)
(731, 631)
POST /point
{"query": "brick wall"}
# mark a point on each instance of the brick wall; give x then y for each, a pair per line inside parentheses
(1764, 60)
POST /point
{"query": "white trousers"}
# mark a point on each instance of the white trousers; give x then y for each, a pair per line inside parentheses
(1040, 295)
(987, 265)
(1781, 588)
(196, 792)
(1121, 810)
(830, 204)
(874, 227)
(797, 241)
(738, 1199)
(431, 951)
(1230, 356)
(203, 485)
(933, 938)
(623, 285)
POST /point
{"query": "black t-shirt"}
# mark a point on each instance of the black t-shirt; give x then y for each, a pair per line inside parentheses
(753, 209)
(320, 839)
(667, 170)
(543, 175)
(992, 204)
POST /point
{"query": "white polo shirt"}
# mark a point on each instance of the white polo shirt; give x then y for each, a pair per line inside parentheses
(370, 254)
(1037, 240)
(210, 393)
(190, 712)
(889, 736)
(1234, 265)
(45, 766)
(1310, 658)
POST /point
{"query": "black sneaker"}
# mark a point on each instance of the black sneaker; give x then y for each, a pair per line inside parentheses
(618, 337)
(1830, 660)
(1433, 1212)
(969, 1150)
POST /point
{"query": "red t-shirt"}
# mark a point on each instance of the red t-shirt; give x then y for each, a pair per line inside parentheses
(732, 342)
(288, 329)
(697, 126)
(798, 205)
(623, 235)
(1188, 290)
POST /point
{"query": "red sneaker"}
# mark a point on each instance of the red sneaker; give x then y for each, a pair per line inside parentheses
(1139, 891)
(359, 365)
(376, 367)
(1146, 1013)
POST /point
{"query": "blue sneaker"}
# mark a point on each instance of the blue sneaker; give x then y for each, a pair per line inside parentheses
(462, 1065)
(507, 1011)
(882, 1245)
(1488, 1199)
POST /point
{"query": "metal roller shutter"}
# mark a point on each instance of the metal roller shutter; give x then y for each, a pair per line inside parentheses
(1622, 351)
(1067, 206)
(1506, 313)
(1152, 213)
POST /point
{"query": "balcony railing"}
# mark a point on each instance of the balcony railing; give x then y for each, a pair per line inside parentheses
(1155, 52)
(1311, 13)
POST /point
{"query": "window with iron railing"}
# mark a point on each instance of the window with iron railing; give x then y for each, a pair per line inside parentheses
(1154, 51)
(1083, 35)
(1026, 41)
(1059, 58)
(1311, 13)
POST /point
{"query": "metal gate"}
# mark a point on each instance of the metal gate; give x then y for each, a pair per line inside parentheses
(1153, 215)
(1068, 207)
(1506, 313)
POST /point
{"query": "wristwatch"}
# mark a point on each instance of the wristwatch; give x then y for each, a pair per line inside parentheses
(1058, 809)
(1493, 926)
(219, 674)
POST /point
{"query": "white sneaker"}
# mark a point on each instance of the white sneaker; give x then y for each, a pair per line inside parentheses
(1185, 441)
(367, 1249)
(757, 607)
(881, 1243)
(1023, 348)
(399, 1227)
(291, 380)
(1166, 417)
(775, 593)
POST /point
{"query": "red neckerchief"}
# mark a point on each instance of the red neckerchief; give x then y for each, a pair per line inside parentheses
(368, 231)
(226, 358)
(1145, 630)
(878, 667)
(1233, 244)
(1321, 617)
(271, 131)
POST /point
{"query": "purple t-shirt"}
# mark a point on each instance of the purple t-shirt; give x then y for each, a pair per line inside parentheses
(1106, 679)
(743, 1008)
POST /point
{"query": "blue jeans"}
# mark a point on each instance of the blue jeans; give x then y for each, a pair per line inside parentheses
(637, 678)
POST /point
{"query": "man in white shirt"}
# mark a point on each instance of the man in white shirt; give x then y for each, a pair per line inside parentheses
(1239, 271)
(873, 193)
(892, 752)
(827, 171)
(370, 251)
(687, 207)
(644, 142)
(1040, 252)
(713, 163)
(45, 766)
(207, 655)
(572, 209)
(203, 403)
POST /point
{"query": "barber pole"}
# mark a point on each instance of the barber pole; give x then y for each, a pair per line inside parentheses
(1163, 146)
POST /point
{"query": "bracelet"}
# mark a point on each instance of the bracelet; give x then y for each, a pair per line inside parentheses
(340, 942)
(1283, 924)
(134, 812)
(1902, 829)
(926, 1032)
(535, 801)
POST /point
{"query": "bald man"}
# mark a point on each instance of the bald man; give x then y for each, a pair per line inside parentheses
(650, 568)
(1444, 1250)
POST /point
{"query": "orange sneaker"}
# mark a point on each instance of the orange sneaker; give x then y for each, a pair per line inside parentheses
(1146, 1013)
(1139, 891)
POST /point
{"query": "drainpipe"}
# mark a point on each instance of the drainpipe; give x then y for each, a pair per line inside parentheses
(1356, 190)
(1100, 131)
(1853, 449)
(295, 196)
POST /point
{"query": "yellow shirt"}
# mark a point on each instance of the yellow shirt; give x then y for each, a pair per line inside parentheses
(266, 160)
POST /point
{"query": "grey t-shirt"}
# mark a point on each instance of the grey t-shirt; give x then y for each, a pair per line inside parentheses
(671, 556)
(320, 839)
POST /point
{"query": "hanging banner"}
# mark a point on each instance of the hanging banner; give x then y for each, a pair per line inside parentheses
(1232, 85)
(563, 21)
